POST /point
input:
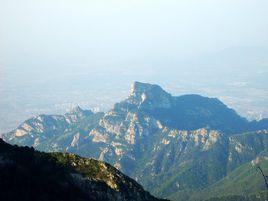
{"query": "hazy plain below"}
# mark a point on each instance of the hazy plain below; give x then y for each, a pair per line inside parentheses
(237, 76)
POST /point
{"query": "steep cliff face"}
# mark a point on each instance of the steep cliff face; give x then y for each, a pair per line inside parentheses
(148, 96)
(169, 144)
(26, 174)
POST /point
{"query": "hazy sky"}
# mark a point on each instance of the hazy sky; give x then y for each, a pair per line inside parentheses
(54, 54)
(71, 33)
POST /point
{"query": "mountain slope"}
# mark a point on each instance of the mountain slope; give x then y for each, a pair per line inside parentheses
(187, 112)
(257, 196)
(244, 180)
(26, 174)
(241, 182)
(172, 145)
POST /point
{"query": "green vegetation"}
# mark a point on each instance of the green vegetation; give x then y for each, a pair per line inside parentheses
(258, 196)
(26, 174)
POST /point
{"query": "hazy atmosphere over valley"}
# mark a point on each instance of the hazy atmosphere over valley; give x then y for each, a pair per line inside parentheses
(58, 54)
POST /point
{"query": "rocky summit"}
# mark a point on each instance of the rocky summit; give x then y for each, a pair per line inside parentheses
(176, 146)
(149, 96)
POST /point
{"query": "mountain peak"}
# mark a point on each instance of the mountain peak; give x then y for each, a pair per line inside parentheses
(76, 109)
(140, 87)
(150, 95)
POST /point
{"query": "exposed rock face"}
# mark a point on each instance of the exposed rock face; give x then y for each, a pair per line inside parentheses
(77, 114)
(245, 147)
(149, 96)
(169, 144)
(29, 175)
(74, 143)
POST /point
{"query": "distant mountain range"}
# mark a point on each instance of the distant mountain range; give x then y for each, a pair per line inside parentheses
(182, 148)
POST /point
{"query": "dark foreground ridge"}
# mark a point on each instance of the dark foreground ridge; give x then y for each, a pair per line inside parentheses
(26, 174)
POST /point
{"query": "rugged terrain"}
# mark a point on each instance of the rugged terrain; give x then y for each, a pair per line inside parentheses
(26, 174)
(178, 147)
